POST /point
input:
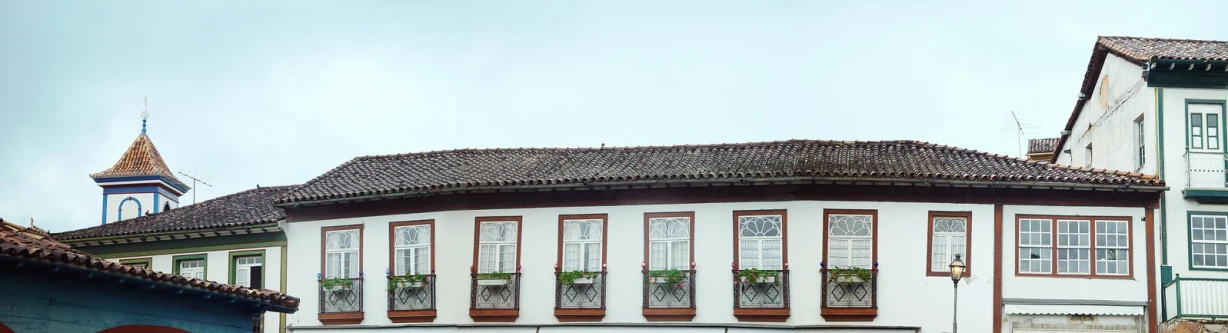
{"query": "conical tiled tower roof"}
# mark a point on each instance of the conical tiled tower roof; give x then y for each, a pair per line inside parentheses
(141, 159)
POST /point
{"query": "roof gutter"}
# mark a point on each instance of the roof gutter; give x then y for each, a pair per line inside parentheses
(738, 182)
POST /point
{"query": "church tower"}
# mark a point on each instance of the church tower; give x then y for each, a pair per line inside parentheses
(139, 183)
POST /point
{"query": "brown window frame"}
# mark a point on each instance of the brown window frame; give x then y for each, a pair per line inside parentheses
(873, 231)
(929, 242)
(392, 248)
(784, 235)
(324, 246)
(648, 237)
(1091, 273)
(605, 236)
(477, 236)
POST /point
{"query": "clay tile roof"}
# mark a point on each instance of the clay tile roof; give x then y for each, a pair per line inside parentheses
(1142, 49)
(249, 207)
(497, 169)
(1046, 145)
(141, 159)
(19, 243)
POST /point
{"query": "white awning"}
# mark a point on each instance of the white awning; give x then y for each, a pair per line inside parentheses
(1107, 310)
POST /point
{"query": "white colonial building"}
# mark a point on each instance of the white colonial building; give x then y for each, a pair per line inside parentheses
(1157, 106)
(803, 235)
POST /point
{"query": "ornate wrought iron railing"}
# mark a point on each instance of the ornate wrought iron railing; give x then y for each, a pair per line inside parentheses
(665, 292)
(849, 292)
(341, 295)
(418, 295)
(582, 293)
(495, 293)
(771, 291)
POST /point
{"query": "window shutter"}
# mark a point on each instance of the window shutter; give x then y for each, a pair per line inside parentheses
(257, 277)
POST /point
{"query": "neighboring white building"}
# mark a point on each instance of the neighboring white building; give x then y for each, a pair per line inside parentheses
(1156, 106)
(806, 235)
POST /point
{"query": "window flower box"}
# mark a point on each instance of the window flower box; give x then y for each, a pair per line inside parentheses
(493, 282)
(760, 279)
(583, 280)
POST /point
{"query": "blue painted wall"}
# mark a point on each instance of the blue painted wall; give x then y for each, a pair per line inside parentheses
(38, 300)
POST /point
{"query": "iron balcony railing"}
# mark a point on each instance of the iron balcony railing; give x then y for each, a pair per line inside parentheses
(586, 292)
(849, 291)
(770, 290)
(1206, 170)
(417, 295)
(1196, 298)
(669, 291)
(489, 291)
(340, 295)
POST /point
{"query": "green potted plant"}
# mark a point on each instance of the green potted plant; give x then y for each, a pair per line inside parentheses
(671, 276)
(755, 275)
(848, 275)
(335, 284)
(408, 281)
(577, 277)
(496, 279)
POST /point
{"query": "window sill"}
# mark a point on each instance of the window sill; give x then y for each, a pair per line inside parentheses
(1071, 276)
(411, 316)
(669, 314)
(761, 315)
(346, 318)
(572, 315)
(849, 314)
(494, 315)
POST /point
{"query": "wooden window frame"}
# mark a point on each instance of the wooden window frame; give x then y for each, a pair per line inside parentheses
(1221, 138)
(929, 242)
(762, 314)
(203, 257)
(496, 315)
(1091, 274)
(827, 213)
(410, 316)
(669, 314)
(233, 268)
(344, 317)
(574, 315)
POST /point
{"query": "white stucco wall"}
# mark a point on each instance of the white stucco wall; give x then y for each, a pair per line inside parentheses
(904, 289)
(1174, 104)
(113, 202)
(1110, 130)
(217, 268)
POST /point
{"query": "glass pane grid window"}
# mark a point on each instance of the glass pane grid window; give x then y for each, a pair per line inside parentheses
(192, 269)
(243, 269)
(341, 254)
(1140, 144)
(949, 240)
(1204, 131)
(760, 242)
(1073, 247)
(1035, 245)
(1112, 248)
(1091, 246)
(412, 249)
(669, 241)
(850, 241)
(1209, 241)
(497, 247)
(582, 245)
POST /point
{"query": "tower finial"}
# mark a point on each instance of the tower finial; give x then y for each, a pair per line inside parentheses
(145, 114)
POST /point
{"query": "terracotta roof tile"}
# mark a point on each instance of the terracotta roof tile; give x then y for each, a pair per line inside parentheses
(141, 159)
(249, 207)
(33, 245)
(1142, 49)
(1045, 145)
(467, 169)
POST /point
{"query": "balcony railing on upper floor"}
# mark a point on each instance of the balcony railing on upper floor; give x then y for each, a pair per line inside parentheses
(1196, 298)
(495, 291)
(762, 289)
(341, 295)
(586, 291)
(1208, 170)
(847, 290)
(669, 289)
(415, 293)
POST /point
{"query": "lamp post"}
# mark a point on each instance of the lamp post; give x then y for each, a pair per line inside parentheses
(957, 272)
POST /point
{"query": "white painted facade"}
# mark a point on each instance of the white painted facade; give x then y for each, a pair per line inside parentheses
(907, 297)
(218, 267)
(1108, 126)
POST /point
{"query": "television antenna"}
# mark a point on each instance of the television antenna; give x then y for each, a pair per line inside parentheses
(195, 180)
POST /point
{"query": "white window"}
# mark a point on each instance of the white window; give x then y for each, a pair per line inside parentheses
(1087, 156)
(497, 247)
(1204, 131)
(1035, 246)
(1073, 247)
(341, 254)
(760, 242)
(850, 241)
(1208, 241)
(412, 249)
(949, 238)
(1140, 145)
(582, 245)
(192, 269)
(1112, 248)
(669, 242)
(243, 269)
(140, 265)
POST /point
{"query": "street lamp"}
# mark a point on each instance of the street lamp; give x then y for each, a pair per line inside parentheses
(957, 272)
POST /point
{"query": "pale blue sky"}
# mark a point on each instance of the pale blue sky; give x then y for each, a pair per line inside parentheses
(277, 92)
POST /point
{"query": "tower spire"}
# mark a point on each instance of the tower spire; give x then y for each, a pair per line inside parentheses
(145, 114)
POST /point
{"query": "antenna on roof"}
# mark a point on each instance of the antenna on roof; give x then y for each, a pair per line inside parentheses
(1018, 135)
(195, 180)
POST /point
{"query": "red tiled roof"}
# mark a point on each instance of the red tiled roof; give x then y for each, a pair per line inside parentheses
(795, 160)
(1142, 49)
(1046, 145)
(30, 244)
(249, 207)
(141, 159)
